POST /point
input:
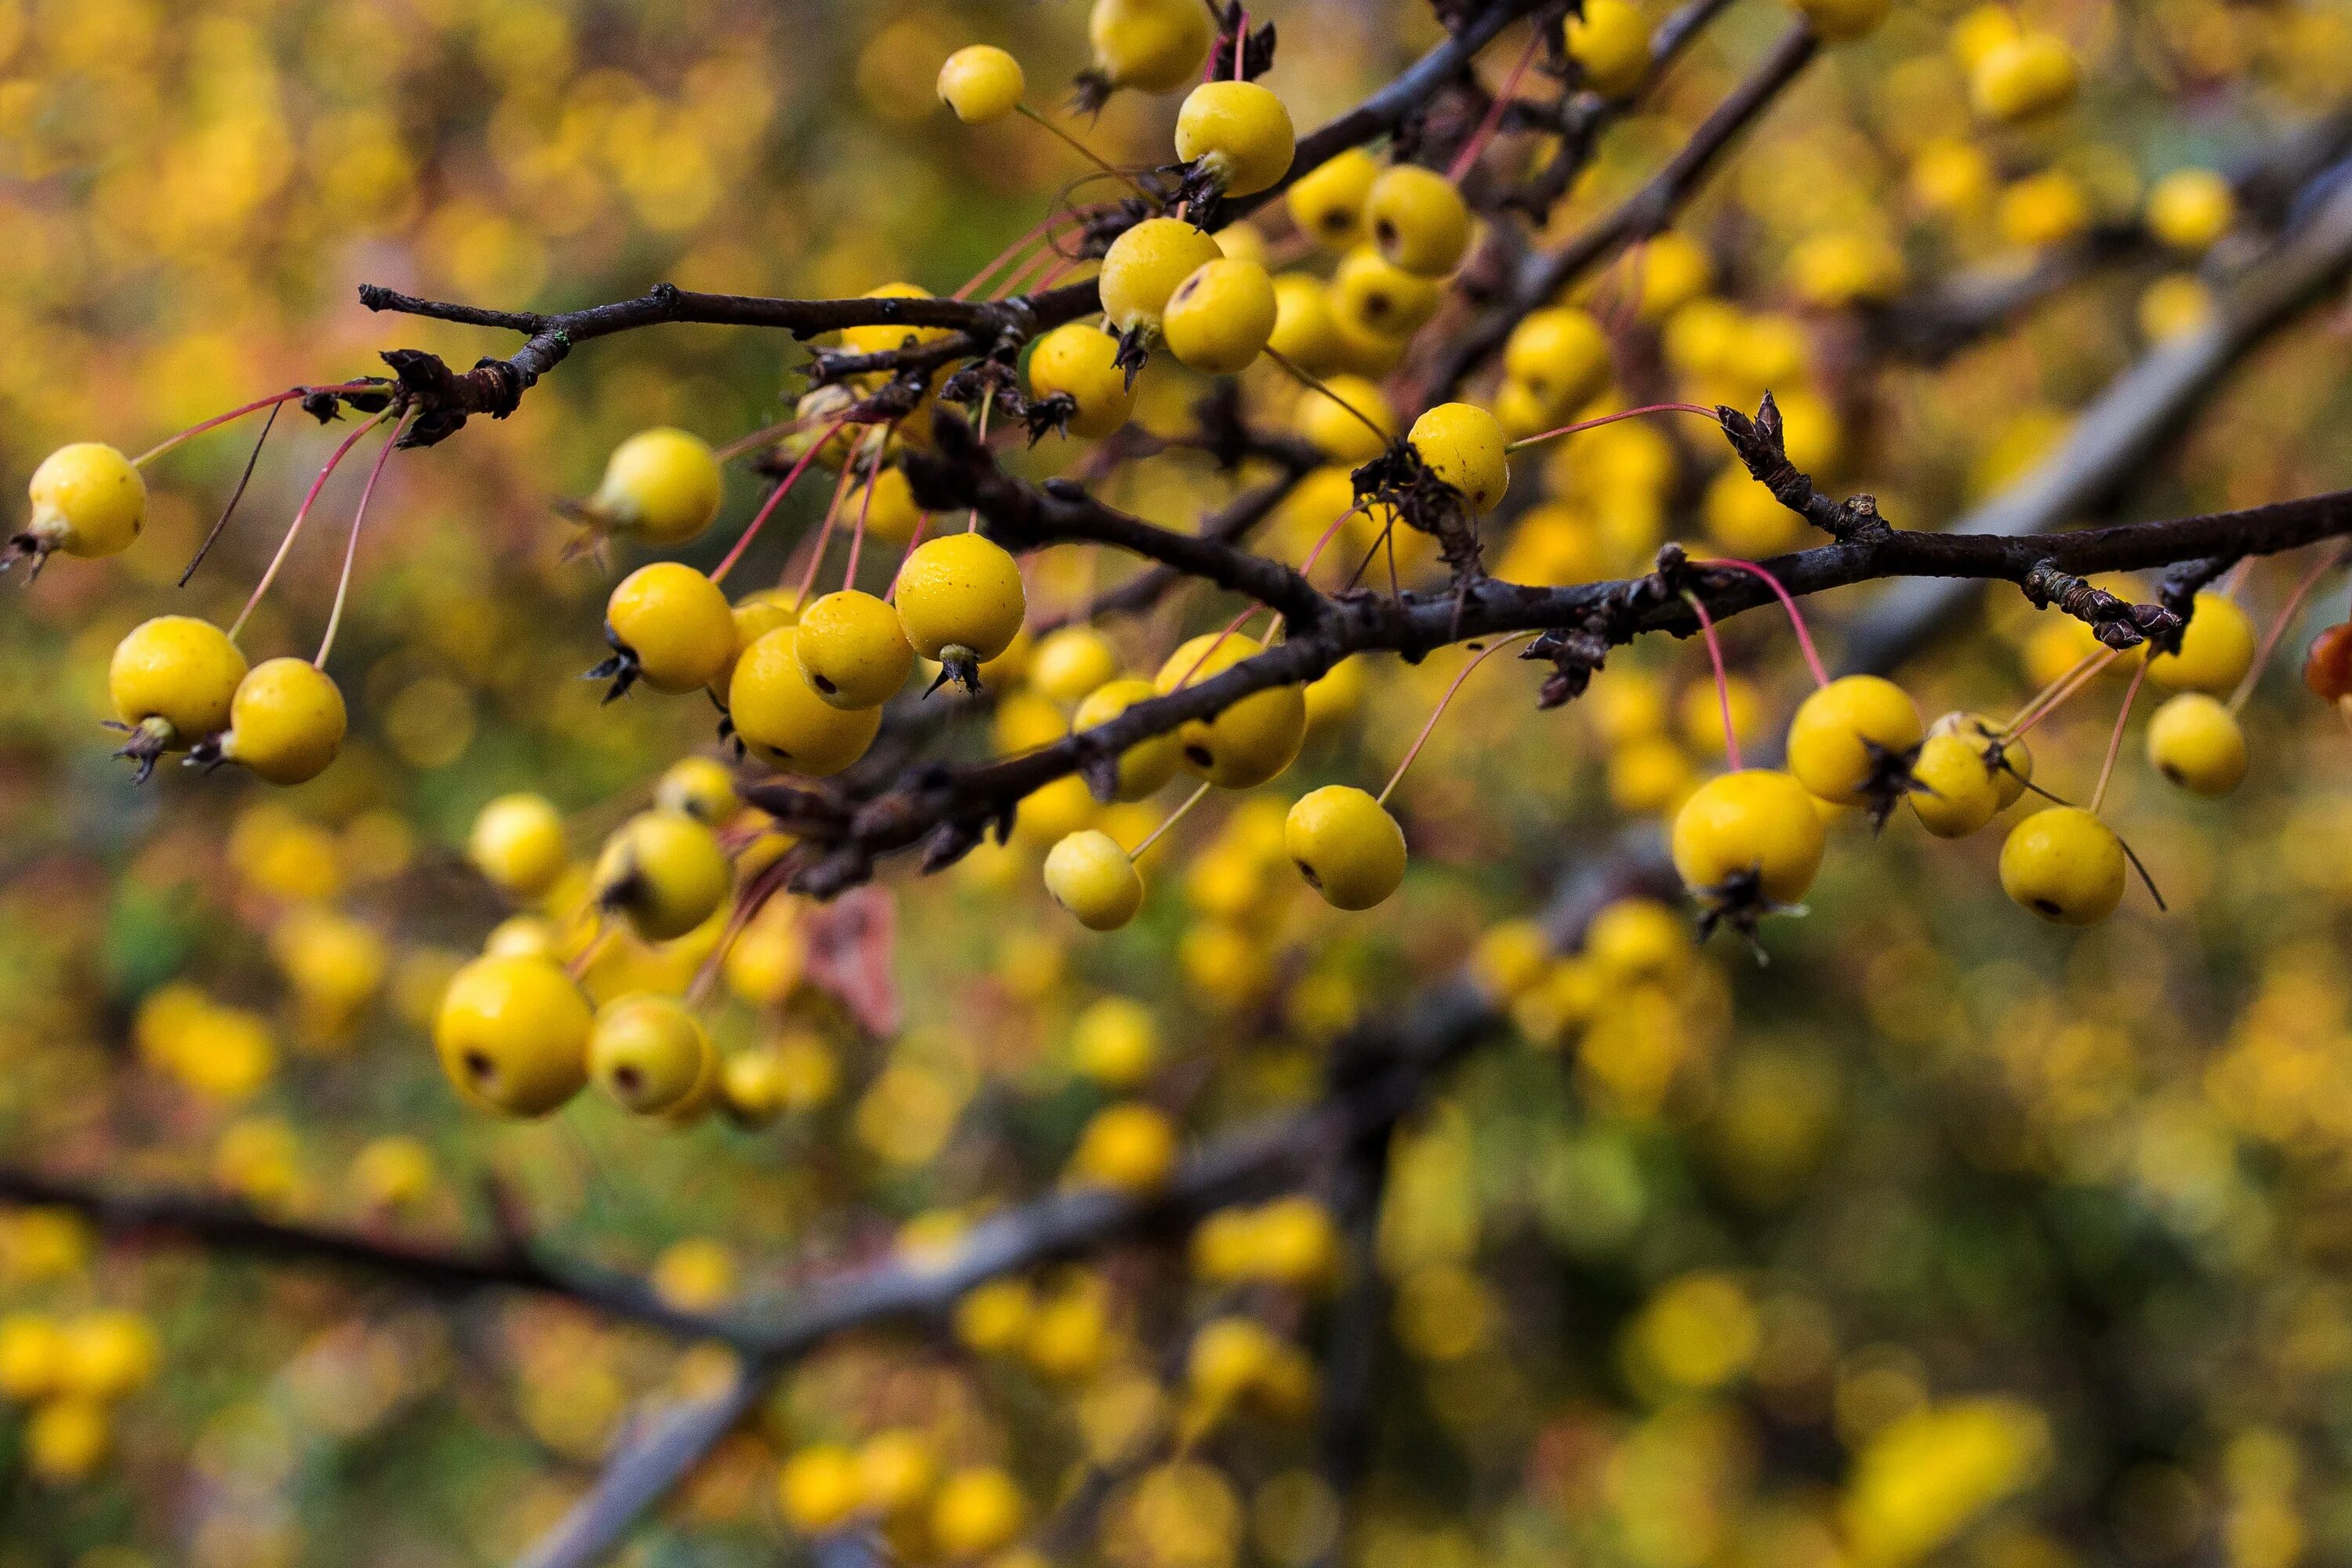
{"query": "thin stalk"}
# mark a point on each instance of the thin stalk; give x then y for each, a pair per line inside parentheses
(2116, 741)
(234, 496)
(294, 528)
(791, 477)
(1314, 384)
(824, 533)
(2061, 697)
(1088, 154)
(1788, 603)
(1494, 111)
(352, 548)
(1722, 680)
(217, 420)
(1613, 418)
(2286, 619)
(1439, 711)
(1172, 819)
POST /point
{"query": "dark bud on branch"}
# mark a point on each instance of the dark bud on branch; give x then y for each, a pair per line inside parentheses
(2117, 623)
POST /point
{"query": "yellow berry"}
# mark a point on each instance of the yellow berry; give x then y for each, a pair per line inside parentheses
(2028, 75)
(851, 649)
(32, 1357)
(1327, 202)
(661, 487)
(1115, 1042)
(2065, 864)
(1220, 318)
(1069, 663)
(66, 1438)
(1080, 360)
(1418, 220)
(516, 843)
(2217, 649)
(819, 1487)
(977, 1509)
(779, 716)
(755, 615)
(981, 82)
(674, 624)
(1150, 46)
(961, 601)
(285, 722)
(1745, 519)
(1129, 1147)
(392, 1174)
(1638, 940)
(1251, 740)
(1957, 792)
(2194, 740)
(1848, 736)
(512, 1035)
(1346, 844)
(662, 871)
(1611, 41)
(109, 1355)
(87, 499)
(647, 1052)
(1842, 266)
(2047, 208)
(1379, 299)
(1462, 444)
(1842, 21)
(2190, 208)
(176, 672)
(885, 507)
(1240, 134)
(702, 787)
(1759, 823)
(1091, 876)
(881, 336)
(2009, 762)
(1145, 265)
(1561, 356)
(1149, 764)
(1348, 418)
(1306, 332)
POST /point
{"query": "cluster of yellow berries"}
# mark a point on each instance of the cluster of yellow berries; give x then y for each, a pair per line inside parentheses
(70, 1373)
(895, 1482)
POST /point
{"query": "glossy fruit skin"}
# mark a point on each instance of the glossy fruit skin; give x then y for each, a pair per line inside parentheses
(1611, 41)
(663, 872)
(647, 1053)
(512, 1035)
(1418, 220)
(755, 615)
(981, 83)
(2217, 649)
(1145, 767)
(1305, 331)
(88, 500)
(701, 787)
(1380, 299)
(516, 843)
(2065, 864)
(2021, 78)
(1252, 740)
(885, 507)
(1128, 1147)
(1091, 876)
(177, 668)
(961, 591)
(1758, 821)
(1327, 202)
(851, 650)
(285, 722)
(1151, 45)
(2195, 741)
(1069, 662)
(1082, 359)
(1843, 21)
(2327, 664)
(1220, 318)
(1239, 131)
(662, 485)
(676, 623)
(1462, 444)
(2190, 208)
(818, 1487)
(2011, 770)
(1145, 265)
(1561, 355)
(1346, 844)
(779, 715)
(1830, 740)
(1957, 795)
(1336, 432)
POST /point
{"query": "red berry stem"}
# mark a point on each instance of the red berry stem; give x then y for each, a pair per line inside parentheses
(1611, 419)
(1788, 603)
(2286, 619)
(352, 548)
(1722, 681)
(2116, 741)
(294, 528)
(217, 420)
(824, 533)
(1494, 111)
(1483, 655)
(759, 519)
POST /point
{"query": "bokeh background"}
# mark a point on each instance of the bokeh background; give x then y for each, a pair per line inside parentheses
(1945, 1234)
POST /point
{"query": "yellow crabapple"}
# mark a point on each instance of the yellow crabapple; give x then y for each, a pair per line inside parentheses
(662, 871)
(1851, 738)
(1145, 265)
(885, 507)
(851, 649)
(661, 487)
(1957, 792)
(2065, 864)
(1149, 46)
(89, 499)
(2009, 761)
(1380, 299)
(1306, 332)
(1418, 220)
(32, 1357)
(1091, 876)
(818, 1487)
(172, 680)
(881, 336)
(647, 1052)
(671, 627)
(1348, 418)
(1220, 318)
(2189, 209)
(981, 83)
(755, 615)
(1238, 132)
(393, 1173)
(1129, 1147)
(2021, 78)
(1346, 844)
(65, 1439)
(1069, 662)
(109, 1355)
(1327, 202)
(1561, 356)
(1080, 360)
(1611, 41)
(285, 722)
(1759, 824)
(701, 787)
(779, 716)
(1115, 1042)
(1251, 740)
(961, 602)
(2217, 649)
(517, 842)
(977, 1510)
(512, 1035)
(2195, 741)
(1462, 444)
(1145, 766)
(1638, 940)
